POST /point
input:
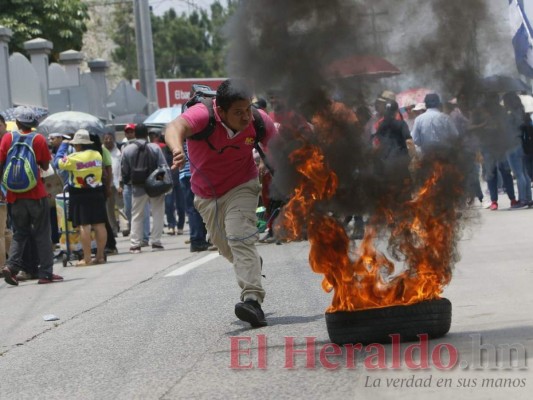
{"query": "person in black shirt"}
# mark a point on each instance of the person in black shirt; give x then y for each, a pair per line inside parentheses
(392, 137)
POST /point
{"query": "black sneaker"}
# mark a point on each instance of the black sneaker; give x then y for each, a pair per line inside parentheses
(135, 249)
(157, 247)
(198, 248)
(9, 277)
(250, 311)
(111, 251)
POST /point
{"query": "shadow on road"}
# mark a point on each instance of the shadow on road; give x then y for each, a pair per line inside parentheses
(285, 320)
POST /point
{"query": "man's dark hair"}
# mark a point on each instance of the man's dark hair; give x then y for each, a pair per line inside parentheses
(141, 131)
(96, 143)
(391, 109)
(432, 100)
(2, 119)
(230, 91)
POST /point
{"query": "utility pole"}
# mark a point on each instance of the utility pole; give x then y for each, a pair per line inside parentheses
(145, 53)
(376, 34)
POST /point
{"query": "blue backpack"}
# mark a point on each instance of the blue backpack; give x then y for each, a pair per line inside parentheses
(21, 171)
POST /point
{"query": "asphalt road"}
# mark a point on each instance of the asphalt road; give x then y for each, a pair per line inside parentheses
(155, 326)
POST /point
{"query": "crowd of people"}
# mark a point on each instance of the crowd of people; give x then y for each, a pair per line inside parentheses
(95, 174)
(493, 128)
(214, 155)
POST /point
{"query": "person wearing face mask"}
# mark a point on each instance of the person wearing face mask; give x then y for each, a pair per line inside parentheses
(224, 179)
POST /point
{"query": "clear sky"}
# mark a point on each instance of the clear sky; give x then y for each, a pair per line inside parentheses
(528, 5)
(160, 6)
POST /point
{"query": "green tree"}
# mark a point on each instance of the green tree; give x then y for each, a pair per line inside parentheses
(124, 36)
(63, 22)
(185, 46)
(180, 44)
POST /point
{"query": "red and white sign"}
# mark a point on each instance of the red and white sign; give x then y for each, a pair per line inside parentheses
(171, 92)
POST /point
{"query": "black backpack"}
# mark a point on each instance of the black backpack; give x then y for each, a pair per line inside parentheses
(203, 94)
(144, 164)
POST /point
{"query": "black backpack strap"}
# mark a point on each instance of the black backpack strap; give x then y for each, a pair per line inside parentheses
(210, 128)
(139, 147)
(259, 126)
(204, 134)
(260, 133)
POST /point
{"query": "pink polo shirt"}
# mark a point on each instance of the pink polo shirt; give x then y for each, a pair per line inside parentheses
(214, 174)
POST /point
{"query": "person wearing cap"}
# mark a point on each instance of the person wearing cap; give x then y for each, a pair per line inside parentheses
(419, 109)
(87, 208)
(413, 111)
(129, 134)
(379, 106)
(30, 210)
(433, 126)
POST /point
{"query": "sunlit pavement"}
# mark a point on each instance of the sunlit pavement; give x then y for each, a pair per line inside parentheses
(135, 328)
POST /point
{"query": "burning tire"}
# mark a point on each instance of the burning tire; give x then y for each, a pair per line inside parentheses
(432, 317)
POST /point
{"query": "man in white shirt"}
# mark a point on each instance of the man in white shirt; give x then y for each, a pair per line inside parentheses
(111, 145)
(433, 126)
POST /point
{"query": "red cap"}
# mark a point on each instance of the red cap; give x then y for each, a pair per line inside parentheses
(129, 126)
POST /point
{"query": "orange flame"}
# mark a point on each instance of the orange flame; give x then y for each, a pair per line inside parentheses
(421, 234)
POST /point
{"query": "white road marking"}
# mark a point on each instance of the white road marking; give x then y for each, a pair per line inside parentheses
(186, 268)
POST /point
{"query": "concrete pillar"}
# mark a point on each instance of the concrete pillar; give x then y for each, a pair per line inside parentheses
(39, 49)
(5, 91)
(98, 73)
(71, 60)
(145, 54)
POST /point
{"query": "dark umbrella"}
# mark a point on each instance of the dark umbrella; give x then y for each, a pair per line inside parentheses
(68, 122)
(361, 66)
(502, 83)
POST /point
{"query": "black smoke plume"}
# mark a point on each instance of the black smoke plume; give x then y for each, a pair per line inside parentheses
(287, 45)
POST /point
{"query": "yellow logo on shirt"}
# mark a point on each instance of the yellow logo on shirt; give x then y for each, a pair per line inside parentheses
(249, 141)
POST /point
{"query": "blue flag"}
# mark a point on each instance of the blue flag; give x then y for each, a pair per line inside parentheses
(522, 38)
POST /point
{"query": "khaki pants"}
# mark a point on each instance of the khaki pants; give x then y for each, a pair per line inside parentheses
(110, 206)
(139, 200)
(231, 222)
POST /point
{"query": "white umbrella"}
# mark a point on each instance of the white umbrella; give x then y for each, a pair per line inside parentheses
(163, 116)
(527, 102)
